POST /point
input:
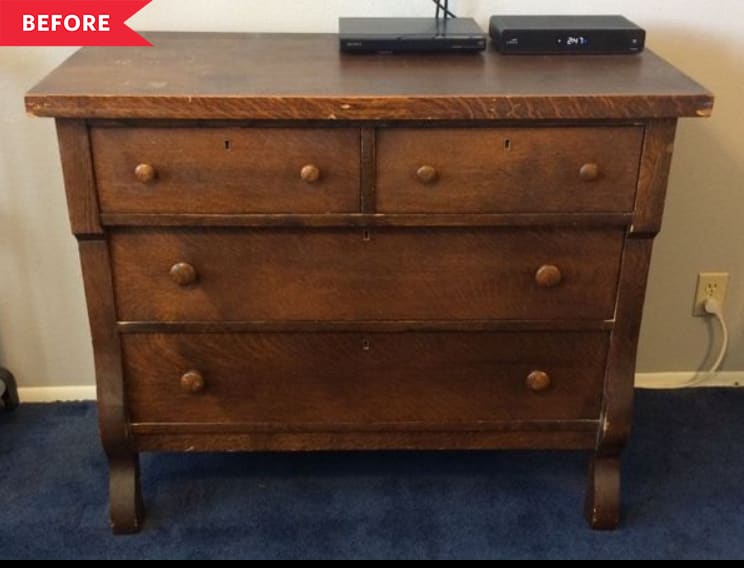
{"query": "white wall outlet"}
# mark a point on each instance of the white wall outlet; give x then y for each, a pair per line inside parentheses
(710, 285)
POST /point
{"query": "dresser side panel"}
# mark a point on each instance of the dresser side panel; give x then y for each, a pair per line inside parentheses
(77, 169)
(99, 293)
(656, 162)
(617, 412)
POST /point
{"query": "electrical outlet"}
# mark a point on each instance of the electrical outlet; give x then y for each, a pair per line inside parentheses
(710, 285)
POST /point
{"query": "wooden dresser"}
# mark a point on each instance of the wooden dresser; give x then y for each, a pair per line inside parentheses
(285, 248)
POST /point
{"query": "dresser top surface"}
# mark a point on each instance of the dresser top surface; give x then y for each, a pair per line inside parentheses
(304, 76)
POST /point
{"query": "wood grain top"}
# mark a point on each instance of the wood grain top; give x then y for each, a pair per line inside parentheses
(303, 76)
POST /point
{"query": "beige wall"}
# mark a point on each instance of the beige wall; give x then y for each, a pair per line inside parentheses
(43, 329)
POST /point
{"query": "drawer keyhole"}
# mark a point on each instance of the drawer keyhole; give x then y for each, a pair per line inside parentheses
(366, 235)
(366, 345)
(228, 145)
(507, 145)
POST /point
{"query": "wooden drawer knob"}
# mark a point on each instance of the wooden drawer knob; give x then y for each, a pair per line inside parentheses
(192, 382)
(145, 173)
(548, 276)
(538, 381)
(427, 174)
(589, 172)
(183, 273)
(310, 173)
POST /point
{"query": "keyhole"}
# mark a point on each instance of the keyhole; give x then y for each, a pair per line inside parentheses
(366, 235)
(507, 144)
(366, 346)
(228, 145)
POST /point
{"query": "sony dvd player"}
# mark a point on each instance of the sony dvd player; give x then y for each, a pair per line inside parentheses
(411, 35)
(566, 34)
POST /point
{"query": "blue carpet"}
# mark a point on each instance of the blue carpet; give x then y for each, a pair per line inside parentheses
(684, 497)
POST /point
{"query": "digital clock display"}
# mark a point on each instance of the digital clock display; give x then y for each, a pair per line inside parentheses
(574, 41)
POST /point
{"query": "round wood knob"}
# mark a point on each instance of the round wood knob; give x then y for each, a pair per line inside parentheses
(538, 381)
(427, 174)
(183, 273)
(192, 382)
(589, 172)
(548, 276)
(310, 173)
(145, 173)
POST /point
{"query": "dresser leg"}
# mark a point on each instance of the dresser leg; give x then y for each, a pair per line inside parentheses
(124, 493)
(603, 493)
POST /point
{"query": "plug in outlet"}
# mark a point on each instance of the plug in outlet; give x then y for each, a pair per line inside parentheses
(710, 285)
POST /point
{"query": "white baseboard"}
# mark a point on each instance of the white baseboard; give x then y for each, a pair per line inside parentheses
(57, 394)
(643, 381)
(689, 380)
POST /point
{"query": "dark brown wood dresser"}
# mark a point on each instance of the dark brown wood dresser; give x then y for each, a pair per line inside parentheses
(286, 248)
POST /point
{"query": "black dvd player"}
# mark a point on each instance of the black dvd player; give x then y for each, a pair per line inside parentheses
(411, 35)
(566, 34)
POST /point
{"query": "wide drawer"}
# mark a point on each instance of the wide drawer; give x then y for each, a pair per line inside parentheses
(518, 170)
(385, 274)
(227, 170)
(325, 379)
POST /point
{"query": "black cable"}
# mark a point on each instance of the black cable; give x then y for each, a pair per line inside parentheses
(445, 8)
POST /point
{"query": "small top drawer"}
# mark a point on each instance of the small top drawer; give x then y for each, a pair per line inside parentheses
(227, 170)
(519, 170)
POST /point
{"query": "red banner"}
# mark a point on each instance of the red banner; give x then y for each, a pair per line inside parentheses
(69, 22)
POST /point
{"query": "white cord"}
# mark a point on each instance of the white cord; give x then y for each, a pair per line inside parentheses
(714, 308)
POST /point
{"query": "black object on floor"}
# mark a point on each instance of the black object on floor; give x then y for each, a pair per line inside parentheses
(9, 390)
(683, 495)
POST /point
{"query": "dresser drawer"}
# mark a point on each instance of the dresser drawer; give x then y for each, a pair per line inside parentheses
(227, 170)
(327, 379)
(519, 170)
(385, 274)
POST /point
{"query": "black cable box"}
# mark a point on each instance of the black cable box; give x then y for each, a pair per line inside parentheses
(411, 35)
(566, 34)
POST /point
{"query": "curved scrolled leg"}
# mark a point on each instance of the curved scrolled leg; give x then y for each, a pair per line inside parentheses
(602, 508)
(126, 508)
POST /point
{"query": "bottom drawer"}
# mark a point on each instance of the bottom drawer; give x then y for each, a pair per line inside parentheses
(321, 380)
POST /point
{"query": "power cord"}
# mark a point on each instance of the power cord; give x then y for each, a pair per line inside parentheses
(713, 307)
(443, 7)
